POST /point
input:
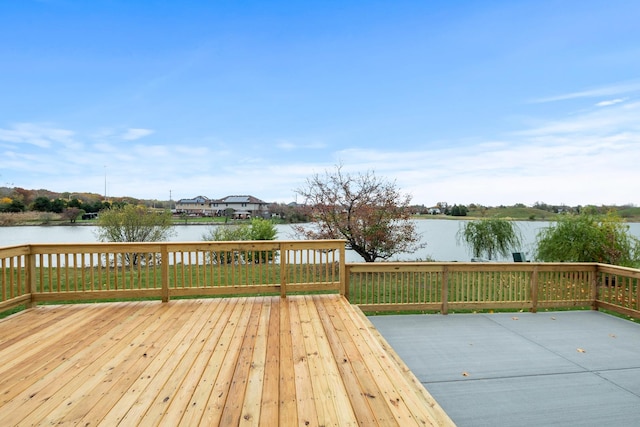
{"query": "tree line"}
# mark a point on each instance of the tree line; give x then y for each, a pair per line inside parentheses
(15, 200)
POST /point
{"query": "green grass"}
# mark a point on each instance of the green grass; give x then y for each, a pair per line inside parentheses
(631, 214)
(179, 275)
(11, 311)
(620, 315)
(426, 287)
(387, 288)
(520, 214)
(203, 220)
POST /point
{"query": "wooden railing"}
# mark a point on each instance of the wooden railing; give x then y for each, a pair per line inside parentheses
(446, 287)
(55, 272)
(618, 289)
(16, 271)
(469, 286)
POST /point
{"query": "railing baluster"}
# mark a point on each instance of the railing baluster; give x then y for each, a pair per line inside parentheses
(12, 262)
(3, 279)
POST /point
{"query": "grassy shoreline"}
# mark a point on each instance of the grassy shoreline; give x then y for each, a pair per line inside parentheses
(628, 214)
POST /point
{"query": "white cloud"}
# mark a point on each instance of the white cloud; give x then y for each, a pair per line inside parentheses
(286, 145)
(583, 159)
(151, 151)
(104, 147)
(589, 157)
(610, 102)
(192, 151)
(136, 133)
(598, 122)
(42, 136)
(615, 89)
(290, 146)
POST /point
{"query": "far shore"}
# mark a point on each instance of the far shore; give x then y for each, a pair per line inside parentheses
(29, 220)
(513, 213)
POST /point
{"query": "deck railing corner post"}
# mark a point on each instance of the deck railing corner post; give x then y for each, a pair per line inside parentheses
(594, 287)
(534, 290)
(346, 281)
(344, 276)
(445, 290)
(164, 272)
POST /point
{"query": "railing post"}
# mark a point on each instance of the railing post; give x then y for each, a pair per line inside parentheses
(344, 278)
(164, 272)
(594, 287)
(534, 290)
(284, 261)
(445, 290)
(346, 281)
(30, 280)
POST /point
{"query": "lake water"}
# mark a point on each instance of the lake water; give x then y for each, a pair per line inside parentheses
(440, 236)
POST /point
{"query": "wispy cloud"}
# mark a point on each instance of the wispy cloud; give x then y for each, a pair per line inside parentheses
(609, 90)
(610, 102)
(42, 136)
(136, 133)
(286, 145)
(290, 146)
(586, 158)
(598, 122)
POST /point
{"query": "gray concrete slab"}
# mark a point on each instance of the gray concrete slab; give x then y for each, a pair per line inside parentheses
(580, 399)
(504, 369)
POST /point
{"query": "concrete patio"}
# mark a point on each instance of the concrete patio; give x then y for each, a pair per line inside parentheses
(506, 369)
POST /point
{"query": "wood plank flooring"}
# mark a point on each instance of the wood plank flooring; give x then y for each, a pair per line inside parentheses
(302, 360)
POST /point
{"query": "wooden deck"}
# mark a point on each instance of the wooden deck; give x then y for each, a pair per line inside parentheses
(300, 360)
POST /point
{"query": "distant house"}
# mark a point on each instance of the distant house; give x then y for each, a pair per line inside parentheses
(434, 211)
(199, 205)
(240, 207)
(237, 207)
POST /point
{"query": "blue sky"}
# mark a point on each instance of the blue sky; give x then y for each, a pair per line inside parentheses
(490, 102)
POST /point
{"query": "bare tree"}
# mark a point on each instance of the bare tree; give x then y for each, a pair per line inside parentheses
(368, 212)
(72, 214)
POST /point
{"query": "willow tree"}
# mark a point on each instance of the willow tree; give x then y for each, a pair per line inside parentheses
(490, 237)
(370, 213)
(588, 237)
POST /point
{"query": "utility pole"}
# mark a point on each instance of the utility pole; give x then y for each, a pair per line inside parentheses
(105, 183)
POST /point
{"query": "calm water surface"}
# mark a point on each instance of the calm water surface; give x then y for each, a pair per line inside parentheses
(440, 236)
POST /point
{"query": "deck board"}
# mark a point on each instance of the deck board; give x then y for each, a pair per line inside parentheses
(301, 360)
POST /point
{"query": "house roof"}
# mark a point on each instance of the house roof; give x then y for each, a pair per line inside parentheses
(240, 199)
(197, 199)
